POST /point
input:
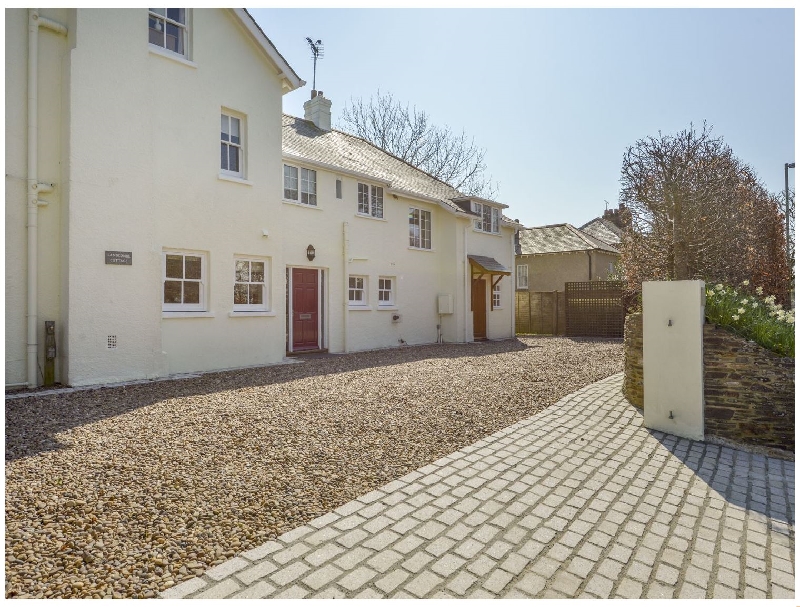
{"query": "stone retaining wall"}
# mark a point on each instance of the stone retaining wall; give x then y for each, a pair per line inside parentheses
(633, 385)
(749, 391)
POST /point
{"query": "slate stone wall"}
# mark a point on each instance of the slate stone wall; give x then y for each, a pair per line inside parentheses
(749, 391)
(633, 384)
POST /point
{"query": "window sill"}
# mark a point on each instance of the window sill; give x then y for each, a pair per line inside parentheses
(301, 205)
(241, 313)
(370, 217)
(388, 308)
(234, 179)
(421, 249)
(177, 314)
(487, 233)
(359, 308)
(157, 50)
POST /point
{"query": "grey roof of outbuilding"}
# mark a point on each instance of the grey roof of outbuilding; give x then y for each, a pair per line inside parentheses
(604, 230)
(303, 138)
(559, 238)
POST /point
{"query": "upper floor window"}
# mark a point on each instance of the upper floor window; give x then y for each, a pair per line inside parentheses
(184, 281)
(370, 200)
(489, 218)
(168, 29)
(522, 277)
(302, 189)
(419, 228)
(232, 152)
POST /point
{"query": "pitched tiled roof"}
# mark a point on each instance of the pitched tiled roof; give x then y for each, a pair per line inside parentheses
(342, 150)
(559, 238)
(604, 230)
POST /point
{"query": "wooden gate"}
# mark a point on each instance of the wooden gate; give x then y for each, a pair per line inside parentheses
(594, 309)
(540, 312)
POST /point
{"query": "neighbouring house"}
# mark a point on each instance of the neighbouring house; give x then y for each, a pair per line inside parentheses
(549, 256)
(166, 214)
(608, 228)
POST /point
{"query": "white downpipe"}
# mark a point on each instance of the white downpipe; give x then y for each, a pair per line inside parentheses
(467, 285)
(345, 301)
(513, 279)
(34, 188)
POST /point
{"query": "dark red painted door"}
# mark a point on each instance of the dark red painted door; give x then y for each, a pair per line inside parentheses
(305, 309)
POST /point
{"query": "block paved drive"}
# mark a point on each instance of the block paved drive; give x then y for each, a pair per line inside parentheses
(579, 500)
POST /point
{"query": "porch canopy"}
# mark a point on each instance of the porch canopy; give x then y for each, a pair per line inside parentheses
(488, 266)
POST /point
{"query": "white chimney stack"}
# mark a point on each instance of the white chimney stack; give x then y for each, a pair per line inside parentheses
(318, 110)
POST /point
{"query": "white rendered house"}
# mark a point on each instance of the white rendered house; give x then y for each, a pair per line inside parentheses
(166, 215)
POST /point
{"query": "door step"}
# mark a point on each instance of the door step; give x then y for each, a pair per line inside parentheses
(304, 352)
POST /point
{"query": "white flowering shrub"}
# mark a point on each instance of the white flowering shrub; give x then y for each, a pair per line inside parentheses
(755, 318)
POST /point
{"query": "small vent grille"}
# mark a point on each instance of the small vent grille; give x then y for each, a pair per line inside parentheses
(112, 342)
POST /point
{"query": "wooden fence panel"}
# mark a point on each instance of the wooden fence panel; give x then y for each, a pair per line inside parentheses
(540, 312)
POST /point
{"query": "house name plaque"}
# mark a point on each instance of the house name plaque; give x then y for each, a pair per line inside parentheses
(119, 258)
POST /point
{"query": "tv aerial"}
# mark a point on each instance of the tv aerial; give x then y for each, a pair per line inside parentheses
(317, 52)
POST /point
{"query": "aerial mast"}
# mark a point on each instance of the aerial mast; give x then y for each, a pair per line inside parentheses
(317, 52)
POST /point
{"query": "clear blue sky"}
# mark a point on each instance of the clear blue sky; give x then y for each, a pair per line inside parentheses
(556, 96)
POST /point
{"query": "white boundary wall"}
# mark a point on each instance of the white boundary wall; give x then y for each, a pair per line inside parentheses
(673, 314)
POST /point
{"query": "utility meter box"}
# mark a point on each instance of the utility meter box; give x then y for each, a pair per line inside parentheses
(445, 304)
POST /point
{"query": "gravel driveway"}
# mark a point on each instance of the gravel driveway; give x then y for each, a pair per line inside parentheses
(126, 491)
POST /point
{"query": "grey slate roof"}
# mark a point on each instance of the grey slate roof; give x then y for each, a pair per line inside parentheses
(559, 238)
(339, 149)
(604, 230)
(490, 264)
(303, 138)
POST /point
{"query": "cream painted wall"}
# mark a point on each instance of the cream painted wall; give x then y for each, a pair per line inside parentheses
(145, 177)
(673, 314)
(132, 143)
(380, 248)
(53, 48)
(549, 272)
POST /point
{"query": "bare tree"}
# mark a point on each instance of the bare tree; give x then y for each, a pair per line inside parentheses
(408, 134)
(694, 210)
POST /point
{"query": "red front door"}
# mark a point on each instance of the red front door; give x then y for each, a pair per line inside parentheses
(305, 309)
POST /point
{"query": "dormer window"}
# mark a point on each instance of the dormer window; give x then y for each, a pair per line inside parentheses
(489, 220)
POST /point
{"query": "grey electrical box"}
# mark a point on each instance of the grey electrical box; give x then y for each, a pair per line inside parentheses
(445, 304)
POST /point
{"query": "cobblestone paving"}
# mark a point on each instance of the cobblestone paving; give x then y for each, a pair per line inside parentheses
(577, 501)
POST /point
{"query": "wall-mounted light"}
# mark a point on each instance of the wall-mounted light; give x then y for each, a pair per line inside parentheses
(311, 253)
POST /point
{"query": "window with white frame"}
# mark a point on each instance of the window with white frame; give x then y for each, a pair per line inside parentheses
(302, 189)
(385, 291)
(522, 277)
(496, 301)
(357, 292)
(489, 220)
(184, 277)
(167, 28)
(231, 145)
(250, 285)
(370, 200)
(419, 228)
